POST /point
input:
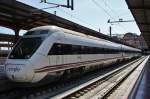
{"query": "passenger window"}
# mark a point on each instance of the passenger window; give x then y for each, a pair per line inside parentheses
(75, 49)
(68, 49)
(55, 50)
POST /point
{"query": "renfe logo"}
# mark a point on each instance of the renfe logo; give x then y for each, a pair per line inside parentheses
(15, 69)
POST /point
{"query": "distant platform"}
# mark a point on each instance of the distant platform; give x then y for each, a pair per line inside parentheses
(2, 60)
(2, 71)
(2, 67)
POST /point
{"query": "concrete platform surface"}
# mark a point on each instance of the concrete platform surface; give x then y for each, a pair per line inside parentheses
(142, 87)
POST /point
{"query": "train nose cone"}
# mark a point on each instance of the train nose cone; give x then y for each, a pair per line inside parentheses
(17, 73)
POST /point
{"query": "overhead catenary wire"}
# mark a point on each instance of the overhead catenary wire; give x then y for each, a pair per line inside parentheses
(75, 17)
(110, 8)
(81, 20)
(114, 12)
(98, 5)
(72, 16)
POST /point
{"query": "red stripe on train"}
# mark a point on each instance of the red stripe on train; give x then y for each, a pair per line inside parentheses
(65, 66)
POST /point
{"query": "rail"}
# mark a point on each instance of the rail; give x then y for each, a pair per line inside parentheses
(89, 89)
(85, 87)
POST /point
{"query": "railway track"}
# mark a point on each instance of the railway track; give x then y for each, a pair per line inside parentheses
(101, 87)
(80, 85)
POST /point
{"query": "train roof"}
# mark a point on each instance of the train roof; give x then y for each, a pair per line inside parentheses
(54, 29)
(51, 28)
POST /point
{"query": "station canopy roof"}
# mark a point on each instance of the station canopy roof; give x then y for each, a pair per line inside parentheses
(140, 10)
(17, 15)
(6, 37)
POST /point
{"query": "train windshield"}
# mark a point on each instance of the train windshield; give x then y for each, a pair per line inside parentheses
(25, 48)
(37, 32)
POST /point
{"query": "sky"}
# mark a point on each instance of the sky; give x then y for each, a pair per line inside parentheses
(93, 14)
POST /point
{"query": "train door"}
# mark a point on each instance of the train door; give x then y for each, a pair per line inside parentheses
(52, 59)
(79, 58)
(59, 59)
(55, 54)
(56, 59)
(76, 49)
(59, 54)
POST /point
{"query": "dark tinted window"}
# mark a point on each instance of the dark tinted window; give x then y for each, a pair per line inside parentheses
(25, 48)
(68, 49)
(38, 32)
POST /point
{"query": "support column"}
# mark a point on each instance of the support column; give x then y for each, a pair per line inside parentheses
(8, 45)
(110, 31)
(16, 35)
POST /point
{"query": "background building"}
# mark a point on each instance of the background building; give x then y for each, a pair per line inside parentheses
(135, 40)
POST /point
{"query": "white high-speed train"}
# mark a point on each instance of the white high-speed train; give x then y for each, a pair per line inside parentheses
(50, 51)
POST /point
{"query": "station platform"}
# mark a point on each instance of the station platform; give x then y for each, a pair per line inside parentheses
(141, 89)
(2, 67)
